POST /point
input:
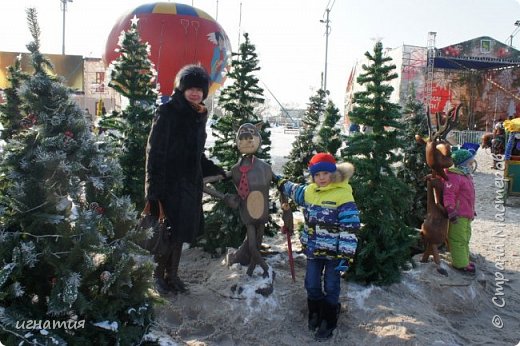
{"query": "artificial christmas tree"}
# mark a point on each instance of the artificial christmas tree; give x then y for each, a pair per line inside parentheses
(70, 272)
(133, 76)
(382, 198)
(11, 113)
(304, 146)
(414, 168)
(329, 135)
(239, 102)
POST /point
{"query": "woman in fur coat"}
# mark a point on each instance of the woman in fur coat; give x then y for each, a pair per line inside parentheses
(175, 167)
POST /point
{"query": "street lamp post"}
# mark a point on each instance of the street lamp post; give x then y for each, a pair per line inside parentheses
(327, 32)
(517, 24)
(64, 9)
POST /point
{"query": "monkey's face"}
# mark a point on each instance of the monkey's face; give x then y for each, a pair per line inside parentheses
(248, 139)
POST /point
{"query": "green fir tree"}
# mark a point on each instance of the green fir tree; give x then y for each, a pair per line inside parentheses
(383, 199)
(11, 112)
(329, 135)
(12, 117)
(67, 255)
(239, 103)
(304, 145)
(414, 168)
(133, 76)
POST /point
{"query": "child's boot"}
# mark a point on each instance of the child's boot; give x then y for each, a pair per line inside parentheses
(314, 307)
(329, 321)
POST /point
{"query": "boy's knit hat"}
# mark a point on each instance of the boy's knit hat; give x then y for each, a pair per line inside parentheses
(461, 156)
(192, 76)
(322, 162)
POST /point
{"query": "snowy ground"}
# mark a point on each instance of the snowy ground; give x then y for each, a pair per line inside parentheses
(424, 309)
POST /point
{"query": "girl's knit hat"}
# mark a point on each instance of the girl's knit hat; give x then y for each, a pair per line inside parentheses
(322, 162)
(461, 156)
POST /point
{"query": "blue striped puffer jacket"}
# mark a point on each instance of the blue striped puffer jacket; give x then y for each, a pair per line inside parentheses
(331, 219)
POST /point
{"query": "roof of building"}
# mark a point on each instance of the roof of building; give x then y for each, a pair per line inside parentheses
(480, 53)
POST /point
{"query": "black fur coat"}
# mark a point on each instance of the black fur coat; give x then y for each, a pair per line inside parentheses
(176, 164)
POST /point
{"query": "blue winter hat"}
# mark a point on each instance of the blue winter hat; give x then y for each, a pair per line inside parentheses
(322, 162)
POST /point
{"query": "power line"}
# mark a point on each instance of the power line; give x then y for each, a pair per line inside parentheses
(282, 107)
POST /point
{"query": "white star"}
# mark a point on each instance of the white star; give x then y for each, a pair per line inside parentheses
(19, 57)
(134, 20)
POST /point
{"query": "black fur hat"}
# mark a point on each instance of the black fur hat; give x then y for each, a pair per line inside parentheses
(192, 76)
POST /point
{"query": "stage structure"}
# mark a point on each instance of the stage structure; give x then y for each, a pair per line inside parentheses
(483, 74)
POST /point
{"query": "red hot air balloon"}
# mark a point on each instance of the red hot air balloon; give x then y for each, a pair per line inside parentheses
(178, 35)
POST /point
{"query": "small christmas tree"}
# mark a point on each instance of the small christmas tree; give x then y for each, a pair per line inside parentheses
(11, 113)
(414, 167)
(239, 102)
(304, 146)
(329, 135)
(133, 76)
(68, 259)
(383, 199)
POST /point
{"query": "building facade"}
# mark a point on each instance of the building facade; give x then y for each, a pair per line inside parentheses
(482, 74)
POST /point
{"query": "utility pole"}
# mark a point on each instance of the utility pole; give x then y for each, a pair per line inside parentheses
(517, 24)
(239, 26)
(327, 32)
(64, 9)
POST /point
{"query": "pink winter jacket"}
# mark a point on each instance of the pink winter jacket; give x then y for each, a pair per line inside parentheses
(459, 194)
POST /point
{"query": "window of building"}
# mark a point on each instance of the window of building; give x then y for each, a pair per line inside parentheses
(100, 82)
(485, 46)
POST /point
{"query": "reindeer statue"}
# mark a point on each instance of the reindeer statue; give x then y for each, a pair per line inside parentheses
(434, 229)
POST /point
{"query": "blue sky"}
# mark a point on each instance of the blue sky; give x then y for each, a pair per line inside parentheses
(288, 34)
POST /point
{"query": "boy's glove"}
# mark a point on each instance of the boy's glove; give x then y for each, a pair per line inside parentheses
(341, 266)
(280, 182)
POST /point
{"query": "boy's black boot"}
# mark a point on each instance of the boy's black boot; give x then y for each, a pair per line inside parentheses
(314, 307)
(329, 321)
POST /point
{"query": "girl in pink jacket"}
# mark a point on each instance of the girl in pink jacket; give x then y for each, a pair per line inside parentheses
(459, 201)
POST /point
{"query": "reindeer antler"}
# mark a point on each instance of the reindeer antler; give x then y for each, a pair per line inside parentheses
(445, 128)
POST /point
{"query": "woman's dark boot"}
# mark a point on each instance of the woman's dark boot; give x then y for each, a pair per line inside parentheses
(159, 282)
(314, 307)
(174, 282)
(329, 321)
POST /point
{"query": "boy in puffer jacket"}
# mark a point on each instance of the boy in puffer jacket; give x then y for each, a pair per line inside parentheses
(328, 239)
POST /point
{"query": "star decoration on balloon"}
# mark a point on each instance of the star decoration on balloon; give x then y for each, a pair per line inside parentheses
(134, 20)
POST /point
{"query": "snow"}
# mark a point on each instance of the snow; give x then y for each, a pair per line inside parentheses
(113, 326)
